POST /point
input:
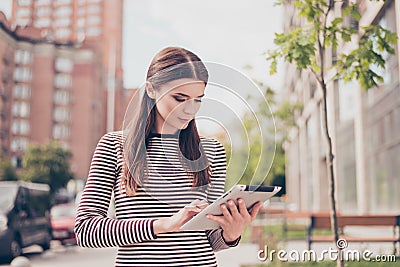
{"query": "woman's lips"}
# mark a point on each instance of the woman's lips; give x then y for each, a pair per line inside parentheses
(184, 120)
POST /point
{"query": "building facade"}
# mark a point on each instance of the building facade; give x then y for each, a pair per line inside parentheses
(49, 92)
(57, 87)
(62, 20)
(364, 129)
(96, 24)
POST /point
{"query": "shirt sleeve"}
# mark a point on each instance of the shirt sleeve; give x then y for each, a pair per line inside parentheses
(92, 226)
(218, 176)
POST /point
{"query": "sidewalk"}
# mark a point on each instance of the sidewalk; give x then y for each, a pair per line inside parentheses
(244, 253)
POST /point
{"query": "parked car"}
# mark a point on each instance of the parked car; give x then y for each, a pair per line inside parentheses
(62, 223)
(24, 217)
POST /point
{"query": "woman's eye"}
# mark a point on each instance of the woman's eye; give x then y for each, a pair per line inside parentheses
(180, 99)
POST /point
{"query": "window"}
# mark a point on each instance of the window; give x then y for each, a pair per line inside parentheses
(94, 9)
(43, 2)
(63, 33)
(61, 97)
(43, 11)
(80, 23)
(94, 31)
(22, 75)
(81, 12)
(22, 91)
(61, 2)
(63, 80)
(24, 2)
(60, 131)
(61, 114)
(94, 20)
(65, 145)
(23, 12)
(18, 144)
(347, 98)
(23, 57)
(63, 22)
(21, 109)
(64, 64)
(63, 11)
(16, 161)
(43, 23)
(23, 21)
(391, 72)
(20, 127)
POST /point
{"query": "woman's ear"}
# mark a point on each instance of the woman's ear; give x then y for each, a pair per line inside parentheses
(150, 90)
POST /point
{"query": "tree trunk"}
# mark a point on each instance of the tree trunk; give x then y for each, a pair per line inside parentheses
(330, 172)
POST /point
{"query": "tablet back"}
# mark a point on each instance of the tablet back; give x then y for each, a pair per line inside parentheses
(247, 193)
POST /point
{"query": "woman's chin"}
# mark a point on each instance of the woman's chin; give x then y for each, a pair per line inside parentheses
(183, 127)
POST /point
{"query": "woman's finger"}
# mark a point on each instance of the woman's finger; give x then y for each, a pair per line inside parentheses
(219, 219)
(233, 208)
(226, 212)
(242, 207)
(255, 210)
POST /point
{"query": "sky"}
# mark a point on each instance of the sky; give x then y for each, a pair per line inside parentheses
(234, 33)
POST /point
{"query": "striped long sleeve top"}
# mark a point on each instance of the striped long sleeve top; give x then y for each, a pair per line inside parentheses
(165, 192)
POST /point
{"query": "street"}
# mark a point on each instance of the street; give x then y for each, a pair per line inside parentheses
(61, 256)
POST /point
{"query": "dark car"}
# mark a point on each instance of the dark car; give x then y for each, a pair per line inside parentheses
(24, 217)
(62, 223)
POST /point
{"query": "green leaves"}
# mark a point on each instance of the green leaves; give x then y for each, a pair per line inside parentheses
(48, 164)
(296, 46)
(306, 46)
(353, 11)
(363, 62)
(310, 9)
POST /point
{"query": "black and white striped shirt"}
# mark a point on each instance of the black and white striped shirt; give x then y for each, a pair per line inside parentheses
(167, 190)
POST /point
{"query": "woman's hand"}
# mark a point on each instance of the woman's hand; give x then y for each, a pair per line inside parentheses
(174, 223)
(234, 220)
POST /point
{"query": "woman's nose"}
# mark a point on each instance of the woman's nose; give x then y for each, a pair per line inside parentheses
(190, 107)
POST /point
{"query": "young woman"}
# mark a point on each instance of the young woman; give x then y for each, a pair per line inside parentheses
(160, 171)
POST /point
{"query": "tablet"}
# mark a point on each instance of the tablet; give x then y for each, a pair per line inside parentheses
(250, 194)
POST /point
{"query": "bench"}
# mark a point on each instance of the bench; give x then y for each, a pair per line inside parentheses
(322, 221)
(282, 217)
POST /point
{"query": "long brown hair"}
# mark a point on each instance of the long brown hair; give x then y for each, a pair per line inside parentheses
(169, 64)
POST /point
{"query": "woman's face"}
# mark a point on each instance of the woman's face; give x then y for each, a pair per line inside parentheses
(177, 102)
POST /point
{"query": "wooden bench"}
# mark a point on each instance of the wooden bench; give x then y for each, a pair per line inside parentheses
(282, 217)
(322, 221)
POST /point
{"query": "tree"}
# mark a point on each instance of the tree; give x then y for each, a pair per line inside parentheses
(251, 161)
(267, 144)
(307, 46)
(47, 164)
(7, 171)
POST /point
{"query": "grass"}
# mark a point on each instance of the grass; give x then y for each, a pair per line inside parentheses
(293, 232)
(274, 234)
(329, 264)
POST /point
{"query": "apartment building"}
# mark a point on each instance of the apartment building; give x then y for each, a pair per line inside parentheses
(96, 24)
(49, 91)
(66, 87)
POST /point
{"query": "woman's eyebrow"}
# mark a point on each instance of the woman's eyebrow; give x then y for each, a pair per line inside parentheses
(184, 95)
